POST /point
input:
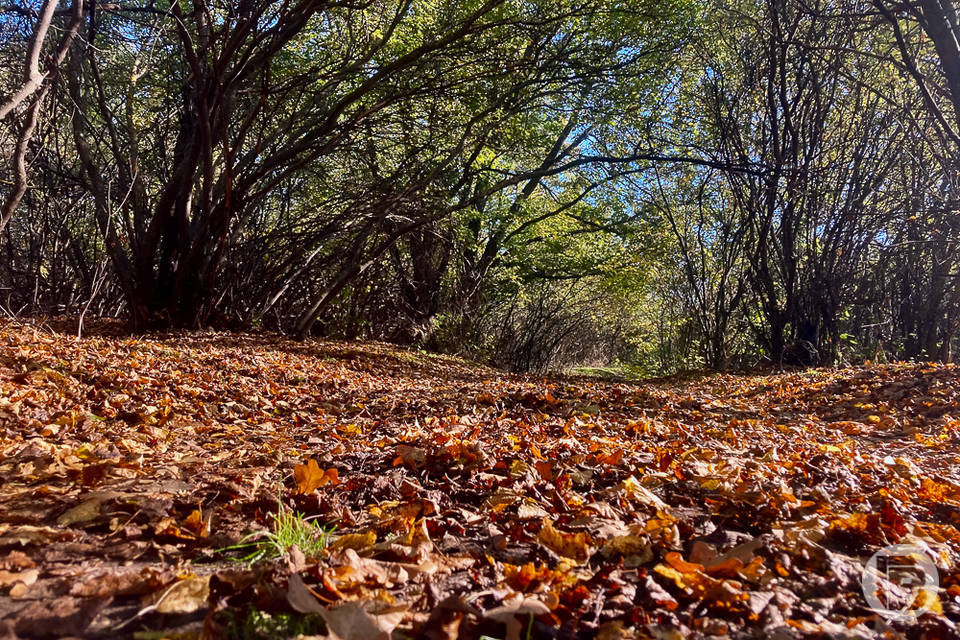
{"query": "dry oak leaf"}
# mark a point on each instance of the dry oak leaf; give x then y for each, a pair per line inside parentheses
(310, 476)
(569, 545)
(355, 571)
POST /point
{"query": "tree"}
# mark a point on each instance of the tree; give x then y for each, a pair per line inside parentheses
(32, 92)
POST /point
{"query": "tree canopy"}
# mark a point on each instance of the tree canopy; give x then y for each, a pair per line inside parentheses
(657, 185)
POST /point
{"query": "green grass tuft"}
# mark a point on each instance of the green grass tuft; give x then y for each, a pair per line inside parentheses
(289, 528)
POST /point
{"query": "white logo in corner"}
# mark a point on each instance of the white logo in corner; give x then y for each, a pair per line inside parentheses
(900, 582)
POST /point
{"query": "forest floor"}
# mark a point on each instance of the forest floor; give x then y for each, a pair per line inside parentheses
(446, 500)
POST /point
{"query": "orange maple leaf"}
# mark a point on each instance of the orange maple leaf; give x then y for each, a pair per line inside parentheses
(310, 476)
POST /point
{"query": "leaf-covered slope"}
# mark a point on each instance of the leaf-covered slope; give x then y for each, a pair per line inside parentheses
(462, 501)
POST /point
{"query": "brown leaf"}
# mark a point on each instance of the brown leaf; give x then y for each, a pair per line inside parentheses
(83, 513)
(26, 577)
(517, 605)
(17, 560)
(413, 457)
(28, 535)
(545, 469)
(635, 550)
(197, 524)
(366, 621)
(357, 570)
(300, 597)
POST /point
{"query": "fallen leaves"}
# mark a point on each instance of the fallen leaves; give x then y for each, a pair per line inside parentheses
(28, 535)
(57, 617)
(454, 501)
(350, 621)
(413, 457)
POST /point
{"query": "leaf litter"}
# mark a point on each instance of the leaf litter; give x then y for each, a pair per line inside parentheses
(454, 501)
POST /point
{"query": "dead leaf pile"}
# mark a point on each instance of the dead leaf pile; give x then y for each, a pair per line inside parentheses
(458, 501)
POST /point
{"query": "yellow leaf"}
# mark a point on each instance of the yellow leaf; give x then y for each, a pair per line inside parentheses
(82, 513)
(85, 452)
(357, 541)
(698, 584)
(519, 469)
(185, 596)
(196, 523)
(638, 492)
(568, 545)
(676, 561)
(636, 550)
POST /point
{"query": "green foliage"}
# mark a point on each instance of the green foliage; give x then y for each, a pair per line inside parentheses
(290, 528)
(652, 185)
(259, 625)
